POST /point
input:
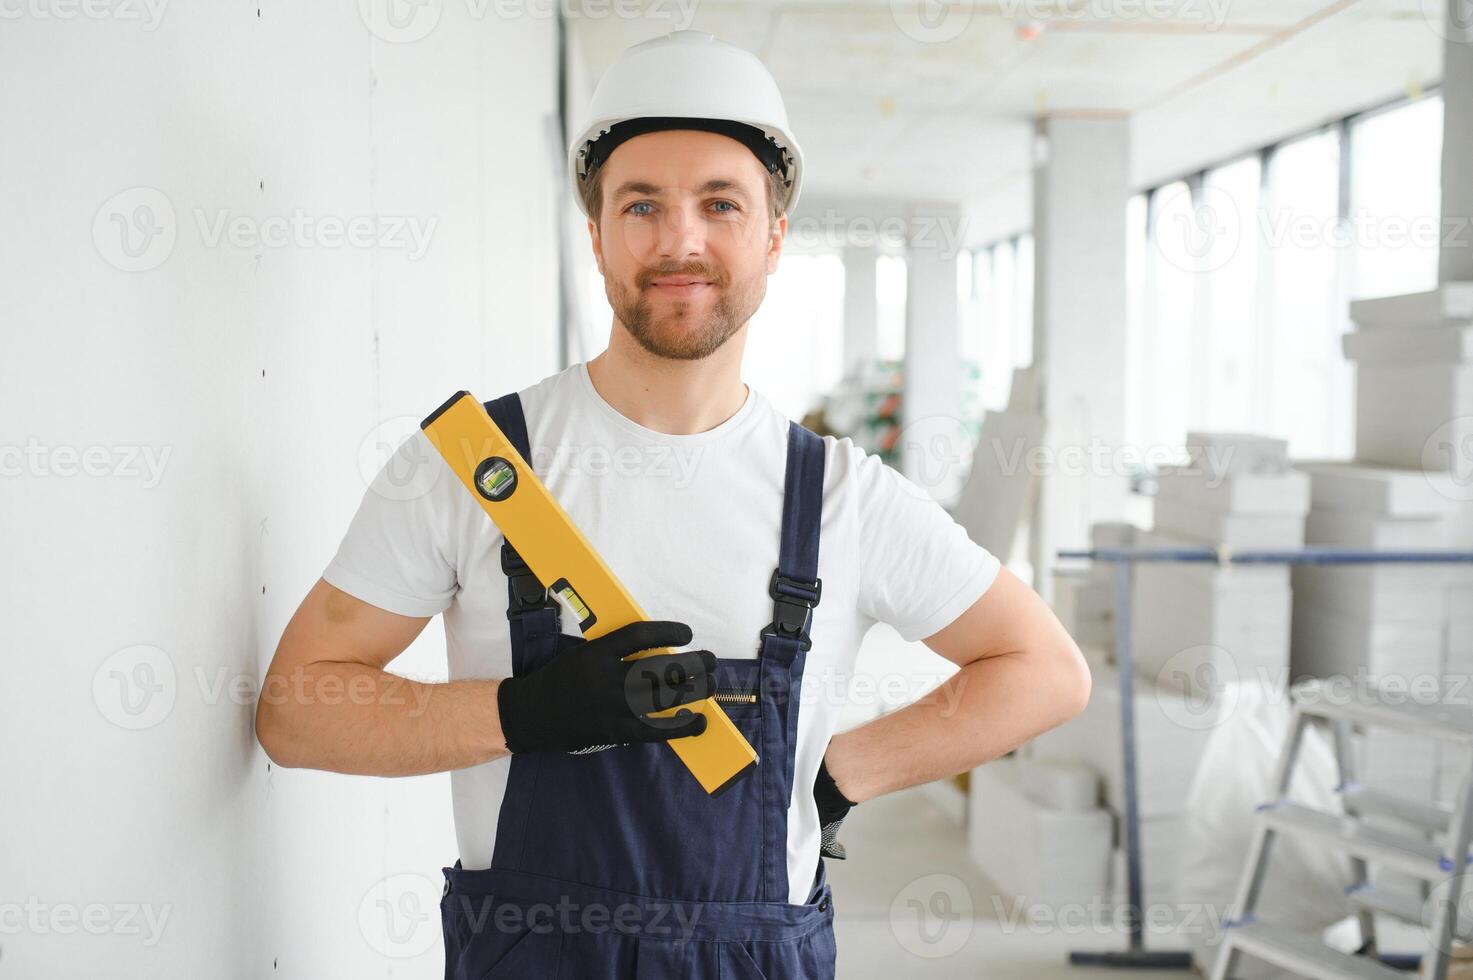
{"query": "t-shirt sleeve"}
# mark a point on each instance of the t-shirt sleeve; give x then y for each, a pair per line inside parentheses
(919, 570)
(397, 554)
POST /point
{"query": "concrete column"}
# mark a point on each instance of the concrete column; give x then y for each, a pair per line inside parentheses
(1456, 263)
(1081, 186)
(931, 402)
(861, 317)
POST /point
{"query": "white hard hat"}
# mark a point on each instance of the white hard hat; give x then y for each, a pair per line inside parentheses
(688, 80)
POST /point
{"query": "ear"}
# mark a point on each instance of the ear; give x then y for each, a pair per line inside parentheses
(598, 245)
(775, 242)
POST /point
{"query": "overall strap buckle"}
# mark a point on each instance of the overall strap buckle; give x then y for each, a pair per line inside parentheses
(792, 599)
(527, 593)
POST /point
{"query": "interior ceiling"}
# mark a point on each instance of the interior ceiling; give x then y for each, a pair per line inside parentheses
(885, 109)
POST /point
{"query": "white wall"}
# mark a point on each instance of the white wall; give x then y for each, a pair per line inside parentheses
(258, 375)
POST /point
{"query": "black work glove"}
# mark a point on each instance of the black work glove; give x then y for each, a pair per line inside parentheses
(833, 807)
(589, 697)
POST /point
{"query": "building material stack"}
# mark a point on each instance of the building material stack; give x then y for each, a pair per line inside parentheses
(1197, 627)
(1084, 598)
(1038, 832)
(1399, 626)
(1171, 729)
(1203, 636)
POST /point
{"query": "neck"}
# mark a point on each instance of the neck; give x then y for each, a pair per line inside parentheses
(670, 396)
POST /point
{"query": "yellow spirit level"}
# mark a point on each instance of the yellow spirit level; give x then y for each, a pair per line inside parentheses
(556, 551)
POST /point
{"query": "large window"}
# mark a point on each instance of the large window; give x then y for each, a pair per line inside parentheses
(1168, 301)
(1395, 198)
(1305, 380)
(1227, 360)
(1240, 280)
(997, 315)
(890, 282)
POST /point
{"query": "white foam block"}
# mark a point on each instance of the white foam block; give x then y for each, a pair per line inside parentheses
(1160, 839)
(1449, 302)
(1283, 493)
(1237, 453)
(1426, 345)
(1349, 529)
(1379, 490)
(1390, 593)
(1112, 534)
(1060, 784)
(1228, 529)
(1460, 634)
(1085, 606)
(1181, 635)
(1329, 643)
(1416, 416)
(1029, 851)
(1219, 622)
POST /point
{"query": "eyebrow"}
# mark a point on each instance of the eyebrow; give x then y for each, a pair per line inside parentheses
(709, 187)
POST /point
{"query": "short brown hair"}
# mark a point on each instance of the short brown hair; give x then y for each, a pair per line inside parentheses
(591, 191)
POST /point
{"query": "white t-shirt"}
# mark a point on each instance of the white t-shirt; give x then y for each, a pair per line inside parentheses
(689, 524)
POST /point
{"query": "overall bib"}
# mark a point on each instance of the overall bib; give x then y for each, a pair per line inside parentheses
(616, 864)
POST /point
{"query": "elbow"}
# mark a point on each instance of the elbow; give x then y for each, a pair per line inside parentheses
(1075, 682)
(273, 733)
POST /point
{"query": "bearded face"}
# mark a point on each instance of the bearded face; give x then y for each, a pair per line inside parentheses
(685, 311)
(685, 240)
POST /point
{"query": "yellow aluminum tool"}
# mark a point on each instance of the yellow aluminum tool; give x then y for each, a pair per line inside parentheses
(557, 552)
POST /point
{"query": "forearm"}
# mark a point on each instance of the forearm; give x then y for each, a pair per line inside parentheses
(353, 718)
(987, 709)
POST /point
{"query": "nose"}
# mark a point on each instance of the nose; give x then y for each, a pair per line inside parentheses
(682, 233)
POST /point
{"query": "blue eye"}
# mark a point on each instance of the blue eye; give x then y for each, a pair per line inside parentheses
(729, 205)
(639, 204)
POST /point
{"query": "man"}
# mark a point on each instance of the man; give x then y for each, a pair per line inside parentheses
(586, 849)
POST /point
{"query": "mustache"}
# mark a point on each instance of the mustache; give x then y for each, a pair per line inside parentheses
(695, 271)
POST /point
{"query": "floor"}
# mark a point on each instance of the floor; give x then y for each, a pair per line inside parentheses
(909, 903)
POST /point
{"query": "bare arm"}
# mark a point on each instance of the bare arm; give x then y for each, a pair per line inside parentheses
(328, 703)
(1021, 674)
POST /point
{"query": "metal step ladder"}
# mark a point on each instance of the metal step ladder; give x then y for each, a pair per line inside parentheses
(1433, 848)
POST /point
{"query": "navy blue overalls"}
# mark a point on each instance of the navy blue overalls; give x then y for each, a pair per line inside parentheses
(616, 864)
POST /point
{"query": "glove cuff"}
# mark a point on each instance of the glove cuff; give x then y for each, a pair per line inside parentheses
(507, 713)
(827, 793)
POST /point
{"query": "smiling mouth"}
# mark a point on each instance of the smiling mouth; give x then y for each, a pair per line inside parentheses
(680, 287)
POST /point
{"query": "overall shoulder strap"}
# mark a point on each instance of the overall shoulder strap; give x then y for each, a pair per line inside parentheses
(795, 587)
(524, 593)
(506, 412)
